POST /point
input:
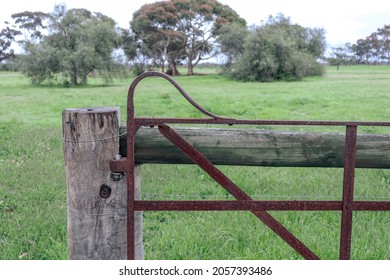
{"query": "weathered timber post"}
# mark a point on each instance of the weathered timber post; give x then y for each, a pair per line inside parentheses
(96, 203)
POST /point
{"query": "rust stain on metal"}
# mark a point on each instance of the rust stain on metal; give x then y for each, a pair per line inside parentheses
(243, 202)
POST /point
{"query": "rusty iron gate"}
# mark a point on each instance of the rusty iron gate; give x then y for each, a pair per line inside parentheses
(243, 201)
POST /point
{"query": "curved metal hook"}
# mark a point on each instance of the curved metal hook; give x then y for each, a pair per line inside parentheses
(175, 84)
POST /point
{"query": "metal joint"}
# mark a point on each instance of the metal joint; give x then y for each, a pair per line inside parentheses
(118, 168)
(116, 176)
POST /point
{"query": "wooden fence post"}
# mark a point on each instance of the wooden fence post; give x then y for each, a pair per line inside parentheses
(96, 204)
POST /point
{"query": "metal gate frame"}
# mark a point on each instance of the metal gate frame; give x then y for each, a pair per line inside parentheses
(243, 201)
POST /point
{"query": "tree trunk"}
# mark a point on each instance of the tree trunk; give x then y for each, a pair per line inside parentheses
(73, 75)
(84, 77)
(190, 71)
(172, 69)
(73, 79)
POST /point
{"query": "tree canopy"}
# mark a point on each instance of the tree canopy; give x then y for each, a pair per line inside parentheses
(75, 43)
(375, 48)
(277, 50)
(178, 30)
(231, 40)
(7, 36)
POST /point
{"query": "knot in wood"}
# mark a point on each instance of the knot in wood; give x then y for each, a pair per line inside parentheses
(105, 191)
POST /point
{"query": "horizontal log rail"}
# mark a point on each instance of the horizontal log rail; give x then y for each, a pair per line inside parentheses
(251, 147)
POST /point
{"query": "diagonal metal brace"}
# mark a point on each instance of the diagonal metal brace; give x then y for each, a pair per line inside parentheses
(235, 191)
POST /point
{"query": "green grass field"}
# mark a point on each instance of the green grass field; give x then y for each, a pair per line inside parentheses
(32, 180)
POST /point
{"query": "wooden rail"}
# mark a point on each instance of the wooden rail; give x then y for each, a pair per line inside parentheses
(251, 147)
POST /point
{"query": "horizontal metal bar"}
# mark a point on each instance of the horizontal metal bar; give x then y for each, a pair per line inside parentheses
(233, 205)
(251, 205)
(223, 205)
(370, 206)
(160, 121)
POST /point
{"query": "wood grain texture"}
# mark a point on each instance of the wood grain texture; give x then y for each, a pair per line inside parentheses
(96, 225)
(250, 147)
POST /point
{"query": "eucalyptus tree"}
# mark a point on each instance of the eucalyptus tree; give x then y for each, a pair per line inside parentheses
(230, 41)
(179, 30)
(384, 37)
(279, 50)
(74, 43)
(7, 37)
(33, 25)
(27, 21)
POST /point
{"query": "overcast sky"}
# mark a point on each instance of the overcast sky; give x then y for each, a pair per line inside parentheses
(344, 20)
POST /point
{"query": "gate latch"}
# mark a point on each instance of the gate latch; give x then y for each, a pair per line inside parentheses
(118, 168)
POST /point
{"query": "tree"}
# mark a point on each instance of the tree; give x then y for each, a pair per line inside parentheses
(384, 38)
(257, 62)
(362, 49)
(178, 29)
(279, 50)
(375, 48)
(78, 43)
(7, 36)
(342, 55)
(231, 38)
(33, 23)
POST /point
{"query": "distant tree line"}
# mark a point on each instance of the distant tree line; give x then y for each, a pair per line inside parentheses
(374, 49)
(68, 46)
